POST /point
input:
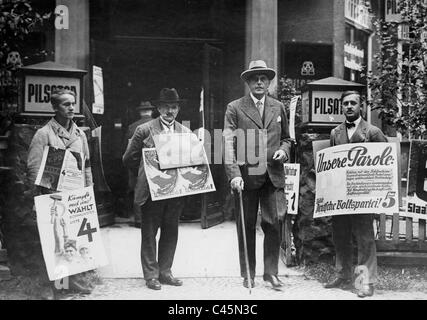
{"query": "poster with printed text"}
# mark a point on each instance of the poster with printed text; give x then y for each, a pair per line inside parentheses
(292, 175)
(177, 182)
(69, 232)
(416, 200)
(61, 169)
(356, 178)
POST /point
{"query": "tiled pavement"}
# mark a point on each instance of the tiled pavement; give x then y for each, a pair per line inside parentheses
(221, 288)
(207, 262)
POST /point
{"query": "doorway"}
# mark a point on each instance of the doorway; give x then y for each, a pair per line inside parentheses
(136, 71)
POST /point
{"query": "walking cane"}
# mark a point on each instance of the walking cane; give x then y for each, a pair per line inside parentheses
(245, 247)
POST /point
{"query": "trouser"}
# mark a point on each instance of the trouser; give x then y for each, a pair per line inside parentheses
(266, 198)
(163, 214)
(361, 226)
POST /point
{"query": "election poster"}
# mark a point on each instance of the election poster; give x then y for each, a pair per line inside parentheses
(417, 180)
(69, 232)
(176, 150)
(292, 174)
(61, 169)
(176, 182)
(356, 178)
(98, 91)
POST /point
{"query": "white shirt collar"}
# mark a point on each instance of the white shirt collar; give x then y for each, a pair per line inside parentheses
(167, 128)
(255, 100)
(356, 122)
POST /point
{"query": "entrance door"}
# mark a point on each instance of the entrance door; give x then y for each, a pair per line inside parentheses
(212, 202)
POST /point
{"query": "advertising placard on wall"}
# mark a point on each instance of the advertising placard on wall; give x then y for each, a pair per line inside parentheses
(417, 180)
(326, 106)
(38, 90)
(392, 13)
(98, 91)
(292, 174)
(356, 178)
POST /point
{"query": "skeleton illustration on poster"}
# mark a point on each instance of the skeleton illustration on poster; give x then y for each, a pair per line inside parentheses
(69, 232)
(178, 182)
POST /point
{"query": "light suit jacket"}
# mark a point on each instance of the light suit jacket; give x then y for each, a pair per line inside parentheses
(365, 132)
(243, 114)
(132, 158)
(55, 135)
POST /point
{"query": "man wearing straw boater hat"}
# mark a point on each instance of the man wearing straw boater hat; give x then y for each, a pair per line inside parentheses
(256, 126)
(163, 214)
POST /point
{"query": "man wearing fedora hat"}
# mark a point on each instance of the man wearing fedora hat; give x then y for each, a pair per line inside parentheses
(261, 182)
(163, 214)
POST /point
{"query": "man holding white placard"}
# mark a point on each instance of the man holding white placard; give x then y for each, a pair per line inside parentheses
(354, 130)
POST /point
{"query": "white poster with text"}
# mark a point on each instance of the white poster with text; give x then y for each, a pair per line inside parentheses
(356, 178)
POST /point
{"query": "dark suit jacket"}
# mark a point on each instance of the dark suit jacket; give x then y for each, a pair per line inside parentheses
(243, 114)
(365, 132)
(143, 138)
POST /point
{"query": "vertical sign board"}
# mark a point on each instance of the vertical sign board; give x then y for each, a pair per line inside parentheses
(392, 13)
(98, 91)
(292, 174)
(417, 179)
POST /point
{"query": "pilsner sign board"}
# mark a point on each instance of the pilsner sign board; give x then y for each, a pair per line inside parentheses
(321, 101)
(40, 80)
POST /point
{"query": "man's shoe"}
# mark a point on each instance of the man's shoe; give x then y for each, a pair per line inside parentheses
(274, 281)
(366, 291)
(246, 284)
(153, 284)
(338, 283)
(170, 280)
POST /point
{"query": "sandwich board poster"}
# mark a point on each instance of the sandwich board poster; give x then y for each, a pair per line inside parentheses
(357, 178)
(176, 182)
(69, 232)
(292, 174)
(61, 169)
(417, 180)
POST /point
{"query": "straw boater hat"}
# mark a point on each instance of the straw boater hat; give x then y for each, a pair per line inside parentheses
(168, 96)
(258, 67)
(145, 105)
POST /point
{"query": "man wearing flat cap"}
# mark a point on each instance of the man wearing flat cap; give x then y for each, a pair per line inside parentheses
(161, 214)
(256, 137)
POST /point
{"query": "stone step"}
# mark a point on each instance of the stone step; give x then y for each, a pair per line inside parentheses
(4, 273)
(3, 255)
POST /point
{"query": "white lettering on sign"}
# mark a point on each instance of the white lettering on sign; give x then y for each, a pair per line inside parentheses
(353, 57)
(38, 90)
(392, 13)
(326, 106)
(62, 20)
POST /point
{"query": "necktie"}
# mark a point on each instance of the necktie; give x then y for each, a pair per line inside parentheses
(259, 106)
(350, 125)
(168, 125)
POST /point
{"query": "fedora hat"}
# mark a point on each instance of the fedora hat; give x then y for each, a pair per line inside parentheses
(168, 95)
(145, 105)
(258, 67)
